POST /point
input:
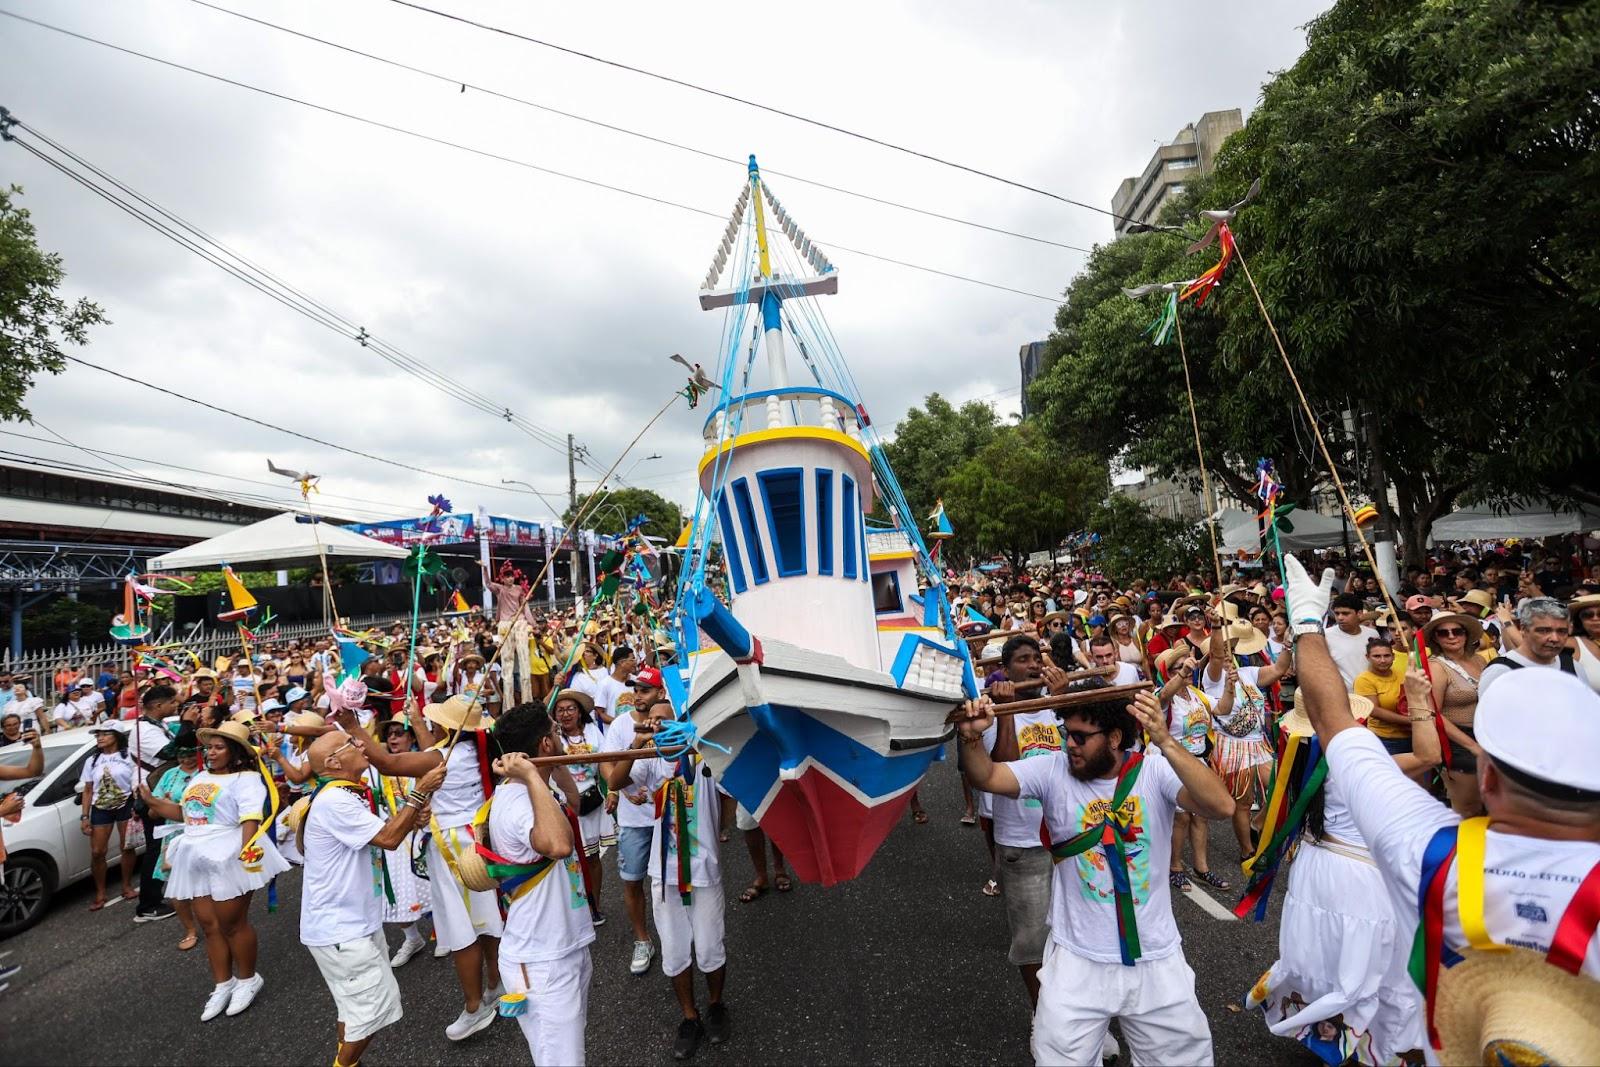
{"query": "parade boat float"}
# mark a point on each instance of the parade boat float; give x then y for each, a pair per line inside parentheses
(818, 659)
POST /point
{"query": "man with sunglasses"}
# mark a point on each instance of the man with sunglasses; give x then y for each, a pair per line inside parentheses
(1092, 972)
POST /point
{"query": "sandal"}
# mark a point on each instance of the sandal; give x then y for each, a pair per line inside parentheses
(783, 883)
(1180, 880)
(919, 816)
(991, 888)
(130, 894)
(98, 904)
(189, 941)
(1212, 880)
(752, 893)
(969, 819)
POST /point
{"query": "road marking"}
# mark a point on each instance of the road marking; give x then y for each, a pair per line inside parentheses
(114, 902)
(1209, 906)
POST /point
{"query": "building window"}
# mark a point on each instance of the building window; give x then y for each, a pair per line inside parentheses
(1182, 164)
(730, 546)
(752, 536)
(824, 522)
(886, 593)
(783, 494)
(850, 524)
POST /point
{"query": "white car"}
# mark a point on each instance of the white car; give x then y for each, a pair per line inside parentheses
(46, 849)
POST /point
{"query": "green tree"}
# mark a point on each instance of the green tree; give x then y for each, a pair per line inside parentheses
(53, 624)
(933, 440)
(1136, 544)
(34, 321)
(1427, 242)
(618, 507)
(1020, 493)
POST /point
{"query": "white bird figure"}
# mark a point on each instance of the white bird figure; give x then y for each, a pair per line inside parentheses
(1157, 287)
(307, 480)
(697, 376)
(1226, 215)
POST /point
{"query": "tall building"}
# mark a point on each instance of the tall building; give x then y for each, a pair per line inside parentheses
(1031, 357)
(1138, 201)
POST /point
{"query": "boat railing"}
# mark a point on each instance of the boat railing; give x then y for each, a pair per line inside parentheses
(771, 409)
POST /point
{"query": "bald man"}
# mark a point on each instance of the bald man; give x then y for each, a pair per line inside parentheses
(341, 899)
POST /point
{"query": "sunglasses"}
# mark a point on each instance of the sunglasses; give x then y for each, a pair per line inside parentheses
(1591, 613)
(1081, 737)
(1450, 631)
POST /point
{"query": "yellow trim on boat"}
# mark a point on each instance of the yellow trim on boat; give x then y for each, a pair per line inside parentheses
(874, 557)
(786, 433)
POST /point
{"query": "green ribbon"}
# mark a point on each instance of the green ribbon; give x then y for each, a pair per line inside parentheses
(1109, 834)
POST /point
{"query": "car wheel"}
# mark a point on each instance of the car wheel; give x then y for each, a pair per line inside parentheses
(26, 887)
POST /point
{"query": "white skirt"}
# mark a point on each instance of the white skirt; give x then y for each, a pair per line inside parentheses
(205, 863)
(599, 829)
(1340, 983)
(412, 895)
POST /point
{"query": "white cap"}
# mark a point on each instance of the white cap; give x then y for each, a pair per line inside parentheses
(111, 726)
(295, 693)
(270, 704)
(1545, 724)
(81, 682)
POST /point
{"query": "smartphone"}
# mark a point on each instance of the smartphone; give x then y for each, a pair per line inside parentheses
(29, 724)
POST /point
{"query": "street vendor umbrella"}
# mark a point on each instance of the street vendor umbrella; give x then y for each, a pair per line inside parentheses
(280, 542)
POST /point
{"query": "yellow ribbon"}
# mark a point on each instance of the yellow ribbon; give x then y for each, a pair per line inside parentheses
(245, 853)
(1275, 804)
(1471, 839)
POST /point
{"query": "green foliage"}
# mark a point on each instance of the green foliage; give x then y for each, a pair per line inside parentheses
(211, 581)
(1427, 244)
(1019, 493)
(34, 321)
(618, 507)
(929, 444)
(52, 624)
(1136, 544)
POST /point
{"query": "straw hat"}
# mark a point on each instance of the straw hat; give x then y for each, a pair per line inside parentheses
(474, 654)
(457, 713)
(1245, 639)
(305, 718)
(1298, 723)
(204, 672)
(1478, 598)
(1578, 603)
(577, 696)
(232, 730)
(1511, 1006)
(1165, 661)
(1473, 627)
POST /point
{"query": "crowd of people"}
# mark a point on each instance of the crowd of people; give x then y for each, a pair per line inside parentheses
(423, 796)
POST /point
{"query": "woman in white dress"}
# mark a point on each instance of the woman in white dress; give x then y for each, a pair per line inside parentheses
(412, 895)
(574, 714)
(222, 857)
(1340, 984)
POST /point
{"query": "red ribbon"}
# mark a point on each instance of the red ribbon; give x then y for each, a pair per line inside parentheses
(1576, 929)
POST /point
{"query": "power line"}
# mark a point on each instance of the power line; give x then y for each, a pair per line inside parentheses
(292, 433)
(718, 215)
(776, 111)
(466, 84)
(207, 247)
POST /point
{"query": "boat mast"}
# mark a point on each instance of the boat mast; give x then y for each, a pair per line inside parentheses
(771, 302)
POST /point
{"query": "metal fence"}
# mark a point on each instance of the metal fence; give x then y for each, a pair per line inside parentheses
(40, 665)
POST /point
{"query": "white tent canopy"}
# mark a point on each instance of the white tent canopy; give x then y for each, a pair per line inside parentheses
(1482, 524)
(279, 542)
(1240, 531)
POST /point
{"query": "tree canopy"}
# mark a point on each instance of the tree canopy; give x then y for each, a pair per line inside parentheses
(931, 441)
(1426, 243)
(34, 321)
(618, 507)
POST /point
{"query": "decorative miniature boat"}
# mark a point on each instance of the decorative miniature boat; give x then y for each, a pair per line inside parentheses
(821, 690)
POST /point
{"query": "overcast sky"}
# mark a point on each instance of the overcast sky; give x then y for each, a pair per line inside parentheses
(560, 300)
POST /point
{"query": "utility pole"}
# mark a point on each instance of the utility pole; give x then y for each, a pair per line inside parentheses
(572, 499)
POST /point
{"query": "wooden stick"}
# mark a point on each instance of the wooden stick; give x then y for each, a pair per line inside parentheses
(1063, 700)
(1074, 676)
(602, 757)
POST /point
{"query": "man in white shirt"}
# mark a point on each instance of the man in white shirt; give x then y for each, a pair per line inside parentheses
(1347, 641)
(607, 688)
(688, 910)
(1103, 653)
(341, 898)
(1100, 784)
(544, 952)
(1538, 731)
(636, 821)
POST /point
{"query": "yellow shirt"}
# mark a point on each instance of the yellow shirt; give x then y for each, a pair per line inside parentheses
(1385, 693)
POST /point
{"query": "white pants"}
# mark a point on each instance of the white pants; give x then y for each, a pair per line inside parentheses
(1078, 998)
(558, 1005)
(459, 917)
(697, 928)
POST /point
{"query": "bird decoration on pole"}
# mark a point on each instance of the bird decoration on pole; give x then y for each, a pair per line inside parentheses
(308, 481)
(1201, 287)
(699, 383)
(1162, 325)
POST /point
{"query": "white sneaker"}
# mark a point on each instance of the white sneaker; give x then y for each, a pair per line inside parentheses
(218, 1000)
(470, 1022)
(244, 994)
(643, 953)
(439, 951)
(407, 949)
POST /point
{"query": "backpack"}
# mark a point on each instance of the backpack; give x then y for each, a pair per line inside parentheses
(1565, 661)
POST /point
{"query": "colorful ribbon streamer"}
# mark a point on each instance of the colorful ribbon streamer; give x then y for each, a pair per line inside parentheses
(1201, 287)
(1111, 834)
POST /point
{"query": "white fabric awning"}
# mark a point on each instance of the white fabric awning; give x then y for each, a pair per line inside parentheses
(1240, 531)
(279, 542)
(1482, 524)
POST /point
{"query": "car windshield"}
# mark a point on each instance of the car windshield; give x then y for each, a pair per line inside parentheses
(18, 756)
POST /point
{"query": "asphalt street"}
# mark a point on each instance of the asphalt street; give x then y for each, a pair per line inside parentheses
(905, 965)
